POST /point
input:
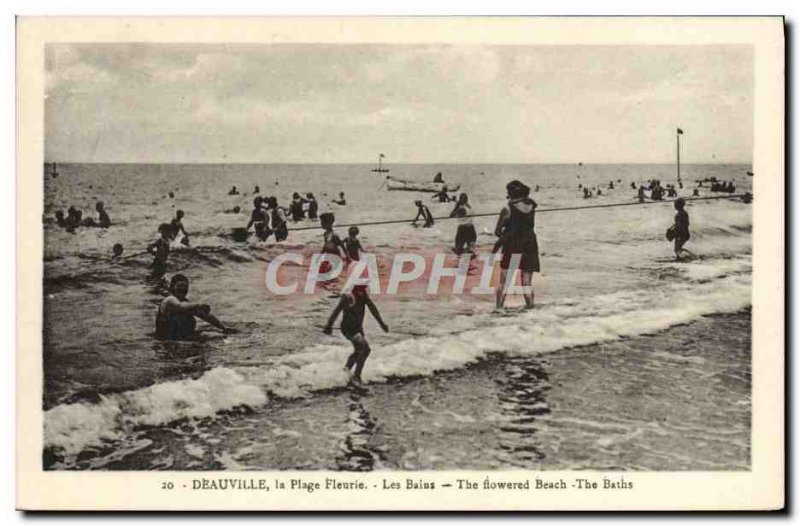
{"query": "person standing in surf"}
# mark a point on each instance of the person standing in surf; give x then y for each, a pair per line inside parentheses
(103, 220)
(465, 233)
(518, 240)
(175, 318)
(331, 242)
(259, 218)
(278, 219)
(160, 251)
(177, 227)
(424, 213)
(352, 245)
(296, 207)
(681, 228)
(352, 306)
(313, 206)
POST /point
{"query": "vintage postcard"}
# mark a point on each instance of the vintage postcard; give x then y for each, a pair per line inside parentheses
(400, 263)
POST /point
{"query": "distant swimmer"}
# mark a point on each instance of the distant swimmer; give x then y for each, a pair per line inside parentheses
(103, 221)
(680, 230)
(259, 218)
(160, 251)
(60, 219)
(175, 318)
(233, 191)
(117, 250)
(442, 195)
(633, 186)
(176, 225)
(352, 246)
(277, 219)
(515, 227)
(611, 185)
(424, 213)
(73, 220)
(341, 201)
(536, 189)
(256, 190)
(352, 306)
(171, 195)
(696, 193)
(466, 236)
(296, 207)
(235, 210)
(640, 194)
(313, 206)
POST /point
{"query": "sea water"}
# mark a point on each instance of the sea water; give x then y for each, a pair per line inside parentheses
(576, 383)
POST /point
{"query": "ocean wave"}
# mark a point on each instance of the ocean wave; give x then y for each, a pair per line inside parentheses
(573, 322)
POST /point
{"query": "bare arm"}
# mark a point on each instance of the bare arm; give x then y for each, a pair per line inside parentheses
(374, 310)
(501, 221)
(211, 319)
(335, 314)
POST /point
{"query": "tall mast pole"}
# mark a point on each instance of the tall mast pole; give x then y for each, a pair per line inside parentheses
(678, 151)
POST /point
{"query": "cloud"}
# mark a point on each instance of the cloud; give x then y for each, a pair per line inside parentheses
(164, 102)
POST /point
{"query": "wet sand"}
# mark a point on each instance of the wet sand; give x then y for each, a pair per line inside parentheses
(676, 400)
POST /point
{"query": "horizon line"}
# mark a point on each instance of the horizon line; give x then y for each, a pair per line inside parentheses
(452, 163)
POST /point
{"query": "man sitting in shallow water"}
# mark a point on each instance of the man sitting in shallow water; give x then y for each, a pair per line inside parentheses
(175, 319)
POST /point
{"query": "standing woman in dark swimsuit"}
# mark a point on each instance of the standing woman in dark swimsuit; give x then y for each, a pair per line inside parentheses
(515, 230)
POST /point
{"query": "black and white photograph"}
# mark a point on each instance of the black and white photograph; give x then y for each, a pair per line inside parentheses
(408, 257)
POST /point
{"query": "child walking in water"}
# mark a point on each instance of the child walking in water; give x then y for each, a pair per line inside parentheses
(352, 246)
(681, 228)
(352, 306)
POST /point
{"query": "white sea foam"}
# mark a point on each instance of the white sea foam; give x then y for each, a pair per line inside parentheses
(73, 427)
(573, 322)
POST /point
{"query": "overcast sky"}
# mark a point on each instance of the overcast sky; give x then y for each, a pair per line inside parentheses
(414, 103)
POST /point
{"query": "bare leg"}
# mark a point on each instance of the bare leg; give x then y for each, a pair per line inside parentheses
(526, 282)
(362, 351)
(500, 291)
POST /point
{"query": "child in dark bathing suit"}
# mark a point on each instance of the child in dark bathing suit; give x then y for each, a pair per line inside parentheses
(681, 228)
(331, 243)
(352, 246)
(175, 318)
(352, 306)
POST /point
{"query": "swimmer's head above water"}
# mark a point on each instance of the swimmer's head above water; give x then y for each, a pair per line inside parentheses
(179, 286)
(326, 220)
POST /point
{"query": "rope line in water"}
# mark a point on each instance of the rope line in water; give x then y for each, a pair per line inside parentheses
(561, 209)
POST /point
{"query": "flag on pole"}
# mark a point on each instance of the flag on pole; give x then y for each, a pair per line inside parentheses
(680, 131)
